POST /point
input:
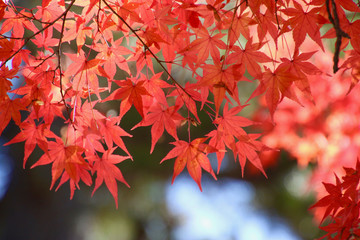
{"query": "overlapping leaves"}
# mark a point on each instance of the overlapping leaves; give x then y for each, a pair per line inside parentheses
(86, 48)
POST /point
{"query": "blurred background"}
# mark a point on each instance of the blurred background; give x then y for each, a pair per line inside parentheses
(231, 208)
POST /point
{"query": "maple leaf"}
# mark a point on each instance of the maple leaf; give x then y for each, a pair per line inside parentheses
(49, 109)
(82, 173)
(342, 205)
(221, 79)
(49, 11)
(230, 127)
(84, 72)
(107, 171)
(206, 44)
(193, 156)
(277, 85)
(301, 67)
(333, 201)
(5, 84)
(351, 181)
(2, 9)
(161, 117)
(45, 40)
(127, 9)
(130, 93)
(6, 48)
(113, 56)
(188, 13)
(250, 57)
(247, 148)
(302, 23)
(240, 25)
(17, 23)
(64, 159)
(161, 19)
(143, 58)
(10, 109)
(353, 63)
(33, 135)
(267, 25)
(155, 87)
(151, 37)
(351, 28)
(112, 133)
(186, 97)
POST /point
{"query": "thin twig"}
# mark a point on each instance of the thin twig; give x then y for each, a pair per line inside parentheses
(59, 62)
(334, 19)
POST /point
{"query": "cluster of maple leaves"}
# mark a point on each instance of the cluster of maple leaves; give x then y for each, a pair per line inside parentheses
(323, 132)
(342, 205)
(90, 52)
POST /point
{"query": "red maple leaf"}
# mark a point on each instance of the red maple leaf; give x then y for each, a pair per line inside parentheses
(2, 9)
(342, 205)
(230, 127)
(84, 73)
(187, 97)
(277, 85)
(33, 135)
(353, 63)
(240, 25)
(248, 148)
(6, 48)
(250, 58)
(130, 93)
(17, 22)
(45, 40)
(112, 133)
(221, 79)
(161, 117)
(10, 109)
(302, 23)
(333, 201)
(65, 160)
(5, 84)
(193, 156)
(206, 44)
(107, 171)
(113, 56)
(300, 67)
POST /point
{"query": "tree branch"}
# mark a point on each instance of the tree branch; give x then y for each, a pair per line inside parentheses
(334, 19)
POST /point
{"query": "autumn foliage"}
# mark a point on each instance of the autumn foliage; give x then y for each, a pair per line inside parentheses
(76, 56)
(342, 206)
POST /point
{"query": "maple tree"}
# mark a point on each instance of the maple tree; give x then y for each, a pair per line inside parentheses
(89, 53)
